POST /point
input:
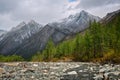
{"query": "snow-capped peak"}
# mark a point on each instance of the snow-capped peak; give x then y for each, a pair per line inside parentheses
(19, 26)
(84, 12)
(24, 31)
(78, 16)
(32, 22)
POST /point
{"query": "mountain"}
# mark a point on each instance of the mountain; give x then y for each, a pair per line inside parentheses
(57, 31)
(28, 39)
(12, 39)
(96, 45)
(2, 32)
(72, 25)
(110, 17)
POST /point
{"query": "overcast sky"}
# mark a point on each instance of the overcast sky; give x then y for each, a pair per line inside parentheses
(12, 12)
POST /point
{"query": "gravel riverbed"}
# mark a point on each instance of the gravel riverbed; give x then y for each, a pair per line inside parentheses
(58, 71)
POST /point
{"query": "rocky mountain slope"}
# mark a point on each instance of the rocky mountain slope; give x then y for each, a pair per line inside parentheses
(27, 39)
(110, 17)
(72, 25)
(2, 32)
(12, 39)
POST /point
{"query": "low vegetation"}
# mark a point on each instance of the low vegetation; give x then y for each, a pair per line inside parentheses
(12, 58)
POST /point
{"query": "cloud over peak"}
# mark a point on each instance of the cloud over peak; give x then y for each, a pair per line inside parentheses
(12, 12)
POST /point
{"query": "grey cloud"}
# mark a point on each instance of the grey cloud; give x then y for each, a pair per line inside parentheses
(43, 11)
(12, 12)
(8, 5)
(86, 4)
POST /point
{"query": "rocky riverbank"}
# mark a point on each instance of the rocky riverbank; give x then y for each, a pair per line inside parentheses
(58, 71)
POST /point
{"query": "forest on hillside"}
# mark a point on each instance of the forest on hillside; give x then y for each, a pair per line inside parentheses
(99, 43)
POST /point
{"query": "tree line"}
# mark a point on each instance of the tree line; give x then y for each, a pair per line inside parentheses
(99, 43)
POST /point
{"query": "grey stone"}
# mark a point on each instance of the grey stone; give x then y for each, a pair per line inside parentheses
(72, 73)
(58, 71)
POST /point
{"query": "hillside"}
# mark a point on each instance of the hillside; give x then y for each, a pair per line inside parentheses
(27, 39)
(101, 43)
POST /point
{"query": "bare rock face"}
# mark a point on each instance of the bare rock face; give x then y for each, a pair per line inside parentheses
(27, 39)
(2, 32)
(36, 42)
(12, 39)
(110, 16)
(72, 25)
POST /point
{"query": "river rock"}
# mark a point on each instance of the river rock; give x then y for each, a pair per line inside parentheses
(2, 70)
(72, 73)
(58, 71)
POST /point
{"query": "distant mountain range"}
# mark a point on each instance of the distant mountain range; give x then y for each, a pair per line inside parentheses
(27, 39)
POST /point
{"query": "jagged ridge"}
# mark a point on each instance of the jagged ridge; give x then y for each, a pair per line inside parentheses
(27, 39)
